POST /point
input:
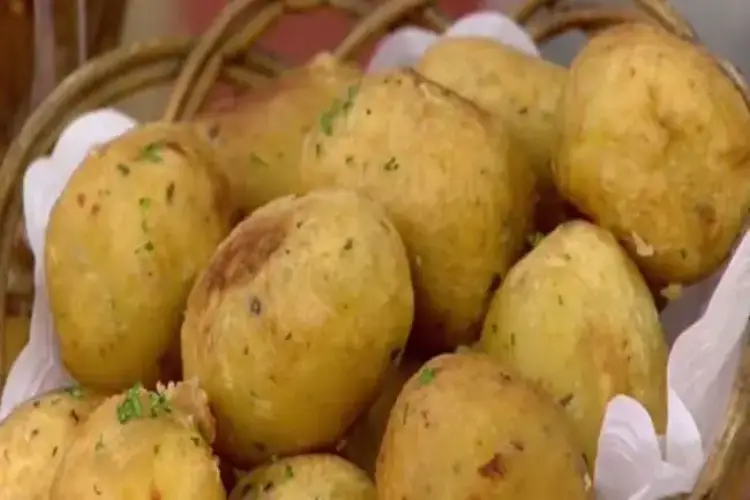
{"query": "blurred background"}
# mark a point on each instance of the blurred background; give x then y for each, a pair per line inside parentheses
(723, 25)
(50, 45)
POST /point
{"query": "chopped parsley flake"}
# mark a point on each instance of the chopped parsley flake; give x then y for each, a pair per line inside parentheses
(288, 472)
(427, 375)
(326, 121)
(159, 404)
(337, 108)
(75, 392)
(152, 152)
(132, 407)
(351, 93)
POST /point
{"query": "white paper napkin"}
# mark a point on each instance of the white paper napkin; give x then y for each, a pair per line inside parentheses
(632, 462)
(405, 46)
(38, 368)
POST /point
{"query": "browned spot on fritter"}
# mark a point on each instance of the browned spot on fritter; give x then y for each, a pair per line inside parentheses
(426, 418)
(494, 469)
(170, 193)
(504, 377)
(176, 147)
(405, 413)
(95, 208)
(81, 199)
(245, 252)
(246, 489)
(155, 494)
(565, 400)
(213, 131)
(706, 213)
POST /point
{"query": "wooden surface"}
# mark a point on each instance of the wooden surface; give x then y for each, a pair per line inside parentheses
(17, 50)
(16, 63)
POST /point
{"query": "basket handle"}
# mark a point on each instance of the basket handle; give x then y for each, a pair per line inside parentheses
(204, 62)
(663, 12)
(379, 19)
(589, 19)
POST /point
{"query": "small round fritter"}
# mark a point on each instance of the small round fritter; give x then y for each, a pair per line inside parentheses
(459, 193)
(143, 445)
(653, 146)
(323, 477)
(576, 316)
(35, 437)
(134, 226)
(467, 427)
(292, 326)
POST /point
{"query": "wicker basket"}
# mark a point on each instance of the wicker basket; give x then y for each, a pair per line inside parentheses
(226, 53)
(103, 23)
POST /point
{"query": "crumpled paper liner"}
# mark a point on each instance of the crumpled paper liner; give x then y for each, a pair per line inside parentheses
(633, 463)
(38, 368)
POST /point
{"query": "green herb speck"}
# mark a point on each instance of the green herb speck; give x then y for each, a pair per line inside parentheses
(152, 152)
(144, 203)
(337, 107)
(326, 120)
(158, 404)
(427, 375)
(130, 407)
(149, 247)
(288, 472)
(75, 392)
(351, 93)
